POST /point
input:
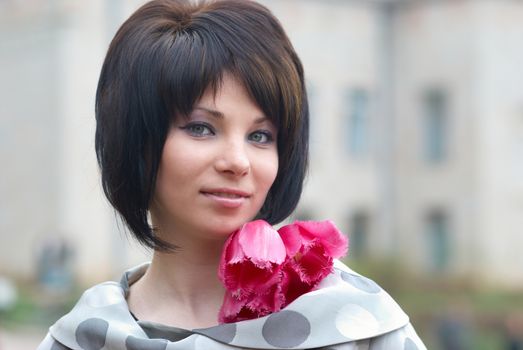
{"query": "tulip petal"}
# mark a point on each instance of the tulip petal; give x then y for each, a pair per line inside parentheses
(233, 250)
(246, 278)
(230, 309)
(261, 243)
(314, 264)
(292, 238)
(292, 284)
(334, 242)
(254, 306)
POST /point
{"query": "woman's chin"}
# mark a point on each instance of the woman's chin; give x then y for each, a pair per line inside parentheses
(223, 228)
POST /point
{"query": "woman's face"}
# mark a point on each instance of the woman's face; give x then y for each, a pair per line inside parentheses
(217, 166)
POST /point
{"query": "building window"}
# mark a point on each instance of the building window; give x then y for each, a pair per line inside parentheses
(435, 119)
(358, 123)
(358, 234)
(437, 229)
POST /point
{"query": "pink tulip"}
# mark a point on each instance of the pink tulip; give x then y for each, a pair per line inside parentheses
(264, 270)
(303, 234)
(311, 247)
(250, 270)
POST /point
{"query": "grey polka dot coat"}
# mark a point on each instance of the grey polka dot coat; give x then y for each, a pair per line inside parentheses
(347, 311)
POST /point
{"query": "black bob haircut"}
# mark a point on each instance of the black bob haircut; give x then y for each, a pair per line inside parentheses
(158, 66)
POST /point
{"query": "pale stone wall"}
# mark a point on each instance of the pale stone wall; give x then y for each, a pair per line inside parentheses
(435, 50)
(500, 158)
(50, 62)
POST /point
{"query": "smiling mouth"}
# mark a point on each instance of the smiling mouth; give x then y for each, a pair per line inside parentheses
(227, 198)
(225, 195)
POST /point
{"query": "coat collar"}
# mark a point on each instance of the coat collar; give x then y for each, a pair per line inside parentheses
(345, 307)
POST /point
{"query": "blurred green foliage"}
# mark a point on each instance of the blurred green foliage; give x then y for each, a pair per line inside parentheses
(37, 308)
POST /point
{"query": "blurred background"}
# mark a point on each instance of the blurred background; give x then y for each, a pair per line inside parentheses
(416, 154)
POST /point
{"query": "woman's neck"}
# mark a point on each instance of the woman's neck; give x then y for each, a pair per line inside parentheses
(181, 289)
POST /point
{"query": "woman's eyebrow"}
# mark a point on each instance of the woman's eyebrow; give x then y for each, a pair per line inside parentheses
(261, 120)
(220, 115)
(213, 112)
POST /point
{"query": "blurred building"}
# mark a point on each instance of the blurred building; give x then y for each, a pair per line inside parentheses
(417, 130)
(51, 53)
(416, 135)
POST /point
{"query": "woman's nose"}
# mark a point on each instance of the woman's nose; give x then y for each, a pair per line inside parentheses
(233, 159)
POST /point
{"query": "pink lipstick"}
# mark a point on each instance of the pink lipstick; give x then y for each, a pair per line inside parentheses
(226, 197)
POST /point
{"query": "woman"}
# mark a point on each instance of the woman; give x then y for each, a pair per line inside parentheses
(202, 126)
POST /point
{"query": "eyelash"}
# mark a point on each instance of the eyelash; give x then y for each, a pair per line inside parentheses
(190, 128)
(266, 133)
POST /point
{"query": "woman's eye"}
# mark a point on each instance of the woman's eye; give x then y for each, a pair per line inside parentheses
(198, 129)
(261, 137)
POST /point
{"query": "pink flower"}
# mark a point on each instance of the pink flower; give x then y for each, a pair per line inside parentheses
(264, 270)
(311, 247)
(252, 306)
(250, 270)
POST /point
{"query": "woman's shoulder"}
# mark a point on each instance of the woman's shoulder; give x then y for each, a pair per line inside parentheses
(360, 301)
(99, 308)
(345, 308)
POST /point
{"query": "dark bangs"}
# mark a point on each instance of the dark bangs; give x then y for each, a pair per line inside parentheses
(243, 39)
(158, 66)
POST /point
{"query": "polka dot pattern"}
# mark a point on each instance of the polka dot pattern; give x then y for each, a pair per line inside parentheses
(361, 283)
(224, 333)
(347, 310)
(353, 320)
(134, 343)
(410, 345)
(286, 329)
(91, 334)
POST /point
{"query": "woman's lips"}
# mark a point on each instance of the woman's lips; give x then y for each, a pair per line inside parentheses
(228, 198)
